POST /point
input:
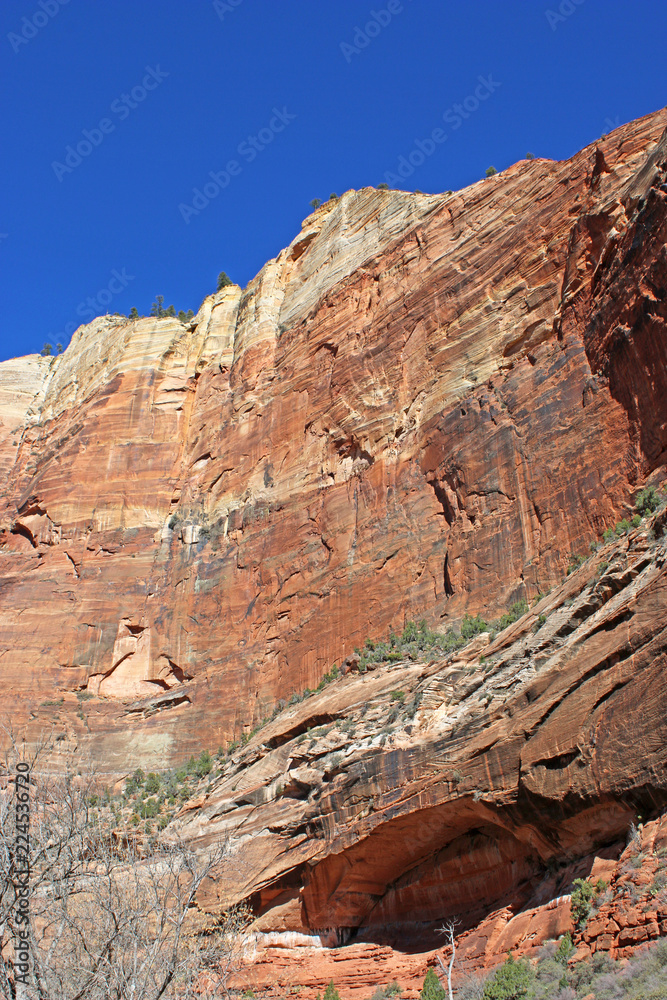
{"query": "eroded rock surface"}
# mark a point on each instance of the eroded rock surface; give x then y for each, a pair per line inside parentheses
(423, 792)
(421, 407)
(424, 406)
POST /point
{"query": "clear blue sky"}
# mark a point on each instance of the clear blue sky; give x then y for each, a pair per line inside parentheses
(201, 78)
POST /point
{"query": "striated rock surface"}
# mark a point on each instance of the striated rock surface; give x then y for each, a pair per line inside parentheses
(629, 912)
(421, 407)
(440, 790)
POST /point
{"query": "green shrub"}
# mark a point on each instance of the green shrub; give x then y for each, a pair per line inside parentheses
(204, 764)
(622, 527)
(148, 809)
(490, 171)
(575, 562)
(647, 501)
(518, 609)
(471, 627)
(133, 313)
(152, 783)
(608, 534)
(565, 949)
(384, 992)
(398, 696)
(409, 632)
(46, 351)
(432, 988)
(512, 981)
(636, 521)
(383, 187)
(223, 281)
(331, 993)
(581, 902)
(315, 203)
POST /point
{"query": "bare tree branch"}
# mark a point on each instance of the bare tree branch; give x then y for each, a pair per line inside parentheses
(106, 921)
(449, 930)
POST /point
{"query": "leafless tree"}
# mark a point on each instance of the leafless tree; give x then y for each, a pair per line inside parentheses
(110, 918)
(449, 930)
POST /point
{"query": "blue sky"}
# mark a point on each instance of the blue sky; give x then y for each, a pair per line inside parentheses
(282, 102)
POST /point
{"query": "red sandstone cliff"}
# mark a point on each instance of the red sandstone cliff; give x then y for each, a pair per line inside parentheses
(421, 407)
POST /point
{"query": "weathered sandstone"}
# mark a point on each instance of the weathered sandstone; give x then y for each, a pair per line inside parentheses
(423, 407)
(497, 764)
(414, 410)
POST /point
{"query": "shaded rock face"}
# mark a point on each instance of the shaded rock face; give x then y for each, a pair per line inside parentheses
(421, 407)
(628, 912)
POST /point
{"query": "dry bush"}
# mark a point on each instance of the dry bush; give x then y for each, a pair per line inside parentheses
(109, 915)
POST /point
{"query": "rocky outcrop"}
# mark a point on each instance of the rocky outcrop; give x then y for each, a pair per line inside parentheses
(419, 408)
(424, 407)
(630, 908)
(628, 912)
(457, 788)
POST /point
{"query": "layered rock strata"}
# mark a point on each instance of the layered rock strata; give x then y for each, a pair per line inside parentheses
(421, 407)
(628, 913)
(415, 793)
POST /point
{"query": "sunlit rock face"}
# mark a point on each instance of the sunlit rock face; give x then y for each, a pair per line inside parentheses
(420, 408)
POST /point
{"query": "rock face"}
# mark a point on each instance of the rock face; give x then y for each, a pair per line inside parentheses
(628, 912)
(448, 789)
(421, 407)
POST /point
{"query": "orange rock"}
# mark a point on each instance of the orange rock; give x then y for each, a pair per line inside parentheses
(413, 411)
(423, 407)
